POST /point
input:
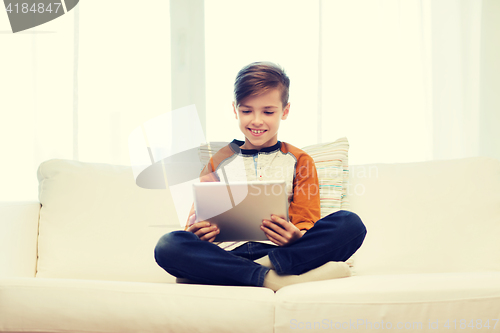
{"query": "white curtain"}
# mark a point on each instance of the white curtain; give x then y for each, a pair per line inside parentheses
(76, 87)
(240, 32)
(455, 61)
(374, 80)
(404, 80)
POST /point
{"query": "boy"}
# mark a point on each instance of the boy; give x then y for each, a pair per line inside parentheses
(306, 248)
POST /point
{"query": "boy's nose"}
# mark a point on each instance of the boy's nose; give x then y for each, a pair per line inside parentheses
(257, 120)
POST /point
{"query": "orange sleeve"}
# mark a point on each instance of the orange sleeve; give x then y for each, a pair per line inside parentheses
(304, 209)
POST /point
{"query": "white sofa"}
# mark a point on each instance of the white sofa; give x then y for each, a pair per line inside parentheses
(83, 261)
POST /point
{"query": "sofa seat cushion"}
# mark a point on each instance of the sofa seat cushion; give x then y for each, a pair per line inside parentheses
(365, 302)
(65, 305)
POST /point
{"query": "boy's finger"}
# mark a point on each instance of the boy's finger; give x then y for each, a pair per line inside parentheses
(213, 238)
(275, 241)
(280, 221)
(202, 224)
(197, 226)
(209, 228)
(210, 236)
(271, 225)
(273, 234)
(206, 229)
(193, 228)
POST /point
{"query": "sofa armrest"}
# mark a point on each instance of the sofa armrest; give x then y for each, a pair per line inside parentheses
(18, 238)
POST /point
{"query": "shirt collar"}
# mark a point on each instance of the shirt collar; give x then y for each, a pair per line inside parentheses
(236, 144)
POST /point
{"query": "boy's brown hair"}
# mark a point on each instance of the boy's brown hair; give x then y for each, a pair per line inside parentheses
(258, 78)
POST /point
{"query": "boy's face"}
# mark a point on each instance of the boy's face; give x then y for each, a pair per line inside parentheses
(259, 119)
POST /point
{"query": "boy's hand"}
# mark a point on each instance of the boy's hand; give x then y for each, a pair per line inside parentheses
(280, 231)
(203, 229)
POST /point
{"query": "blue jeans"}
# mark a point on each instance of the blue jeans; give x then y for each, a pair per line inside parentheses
(333, 238)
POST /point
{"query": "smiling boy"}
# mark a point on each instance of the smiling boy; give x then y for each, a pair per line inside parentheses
(305, 248)
(259, 118)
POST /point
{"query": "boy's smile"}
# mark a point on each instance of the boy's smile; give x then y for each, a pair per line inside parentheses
(259, 119)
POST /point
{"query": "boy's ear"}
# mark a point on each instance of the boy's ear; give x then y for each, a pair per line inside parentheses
(234, 110)
(286, 110)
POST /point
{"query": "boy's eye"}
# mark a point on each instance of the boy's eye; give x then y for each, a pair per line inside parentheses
(268, 112)
(245, 111)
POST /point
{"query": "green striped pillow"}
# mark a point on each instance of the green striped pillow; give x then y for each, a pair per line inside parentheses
(333, 173)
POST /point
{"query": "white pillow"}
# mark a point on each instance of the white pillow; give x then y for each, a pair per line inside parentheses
(96, 223)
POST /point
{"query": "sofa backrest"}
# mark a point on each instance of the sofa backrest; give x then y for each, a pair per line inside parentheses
(436, 216)
(96, 223)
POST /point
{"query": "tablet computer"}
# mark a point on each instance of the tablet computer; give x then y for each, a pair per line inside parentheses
(238, 208)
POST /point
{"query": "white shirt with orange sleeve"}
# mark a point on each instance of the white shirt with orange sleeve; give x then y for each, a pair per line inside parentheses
(281, 161)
